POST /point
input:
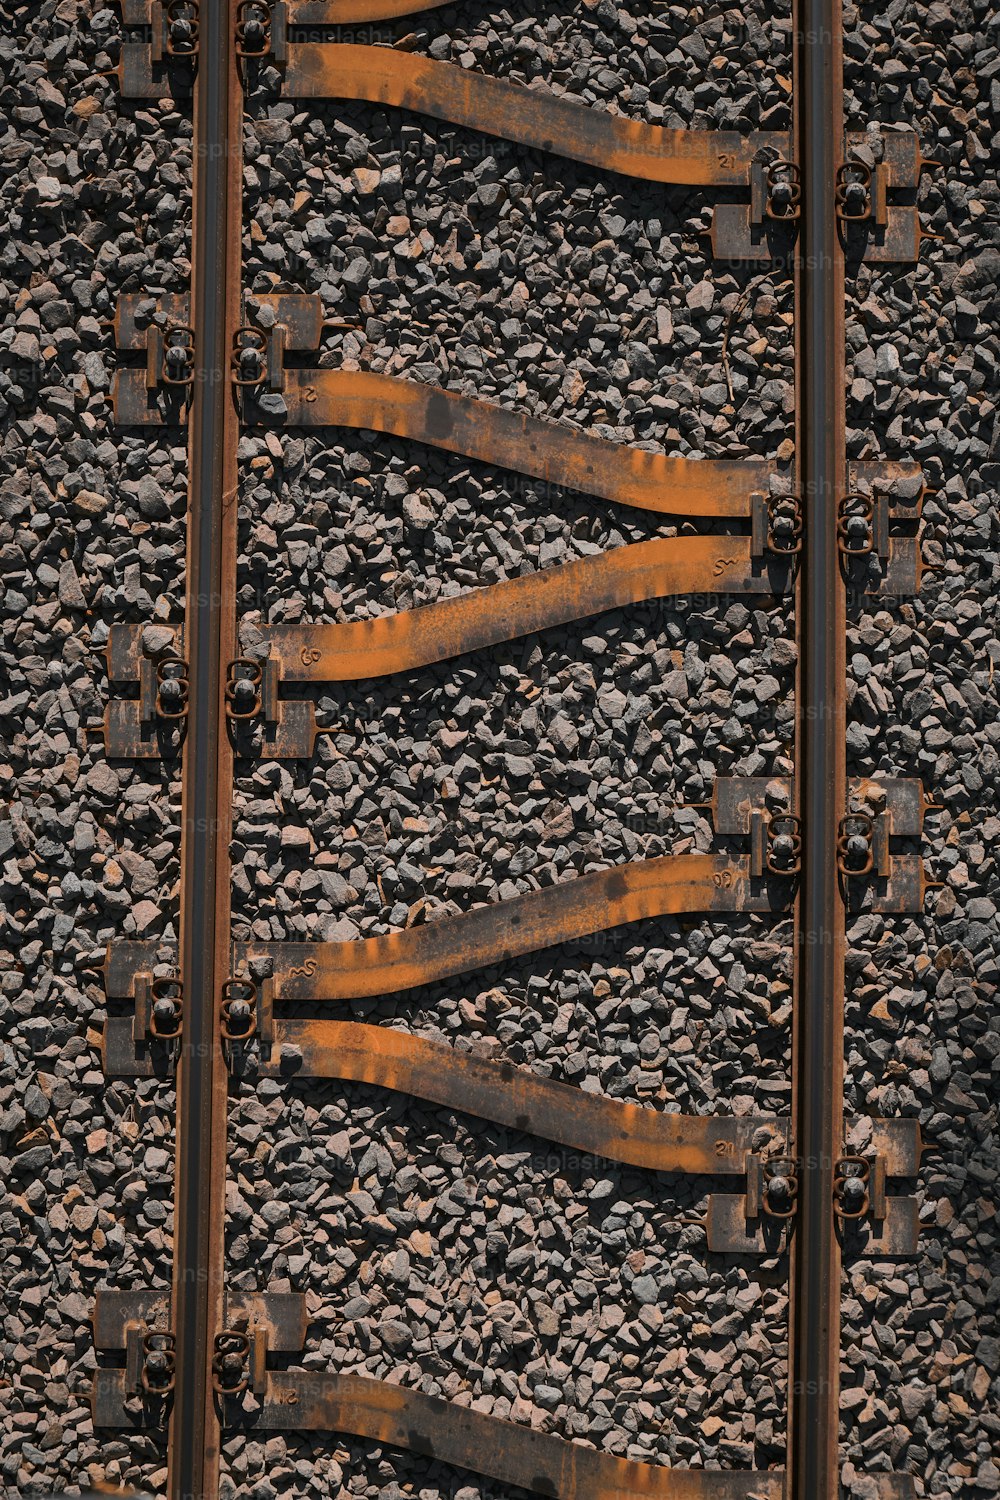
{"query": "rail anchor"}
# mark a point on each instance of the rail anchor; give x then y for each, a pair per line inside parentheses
(873, 1223)
(133, 1329)
(873, 227)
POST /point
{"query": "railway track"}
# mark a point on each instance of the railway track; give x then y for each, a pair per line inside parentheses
(804, 849)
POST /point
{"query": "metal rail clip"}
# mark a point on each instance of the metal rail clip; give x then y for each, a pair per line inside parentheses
(873, 227)
(152, 724)
(262, 723)
(154, 394)
(863, 538)
(879, 1225)
(776, 525)
(895, 808)
(869, 1220)
(135, 1327)
(158, 1372)
(231, 1363)
(164, 65)
(170, 358)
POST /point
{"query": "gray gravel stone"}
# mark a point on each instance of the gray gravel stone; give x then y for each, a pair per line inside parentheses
(922, 1037)
(82, 842)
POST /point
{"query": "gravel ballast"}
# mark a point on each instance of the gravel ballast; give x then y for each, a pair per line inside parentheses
(920, 1355)
(95, 199)
(437, 1251)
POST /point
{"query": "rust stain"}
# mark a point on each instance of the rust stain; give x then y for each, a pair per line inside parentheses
(497, 1091)
(505, 611)
(561, 455)
(533, 117)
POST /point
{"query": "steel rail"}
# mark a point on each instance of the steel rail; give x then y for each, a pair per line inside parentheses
(210, 614)
(502, 930)
(818, 1036)
(635, 574)
(532, 117)
(555, 452)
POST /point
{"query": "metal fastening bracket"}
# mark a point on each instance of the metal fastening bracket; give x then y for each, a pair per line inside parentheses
(859, 1187)
(863, 528)
(757, 1221)
(861, 192)
(258, 358)
(873, 1223)
(130, 1048)
(775, 525)
(158, 1367)
(871, 227)
(773, 1188)
(238, 1011)
(869, 870)
(863, 845)
(147, 395)
(246, 1018)
(870, 1220)
(159, 1009)
(878, 811)
(760, 807)
(775, 844)
(170, 357)
(162, 67)
(144, 1044)
(231, 1362)
(765, 228)
(262, 31)
(863, 535)
(874, 228)
(150, 725)
(261, 723)
(781, 187)
(136, 1327)
(176, 31)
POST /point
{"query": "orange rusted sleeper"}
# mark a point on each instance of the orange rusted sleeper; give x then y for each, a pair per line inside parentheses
(306, 1400)
(504, 611)
(532, 117)
(503, 930)
(507, 1095)
(555, 452)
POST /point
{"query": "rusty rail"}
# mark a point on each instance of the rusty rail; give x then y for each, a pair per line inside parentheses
(818, 1041)
(210, 613)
